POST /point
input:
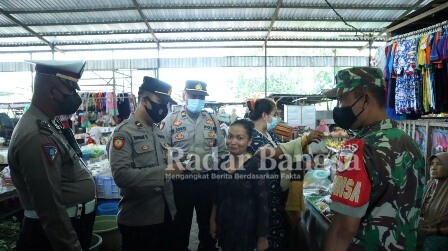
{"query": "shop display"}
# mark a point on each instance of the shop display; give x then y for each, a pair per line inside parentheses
(415, 66)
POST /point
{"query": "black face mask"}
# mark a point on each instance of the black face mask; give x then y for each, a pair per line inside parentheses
(69, 103)
(344, 116)
(158, 111)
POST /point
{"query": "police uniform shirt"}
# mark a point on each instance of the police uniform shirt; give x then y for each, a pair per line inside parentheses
(48, 176)
(200, 137)
(137, 157)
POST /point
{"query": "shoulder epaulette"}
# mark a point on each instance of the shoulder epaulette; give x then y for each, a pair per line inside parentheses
(43, 125)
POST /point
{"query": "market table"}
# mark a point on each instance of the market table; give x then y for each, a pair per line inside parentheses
(316, 224)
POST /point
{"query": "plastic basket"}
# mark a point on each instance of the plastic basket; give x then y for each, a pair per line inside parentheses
(95, 243)
(106, 188)
(108, 208)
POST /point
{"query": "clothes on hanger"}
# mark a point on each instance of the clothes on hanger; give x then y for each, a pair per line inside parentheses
(416, 67)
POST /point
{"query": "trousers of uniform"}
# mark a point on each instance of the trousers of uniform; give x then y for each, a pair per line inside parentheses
(32, 236)
(151, 237)
(189, 195)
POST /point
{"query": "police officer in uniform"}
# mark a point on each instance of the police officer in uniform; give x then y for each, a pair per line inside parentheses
(191, 131)
(55, 189)
(138, 159)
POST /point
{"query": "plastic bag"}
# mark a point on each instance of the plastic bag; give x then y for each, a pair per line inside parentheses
(317, 183)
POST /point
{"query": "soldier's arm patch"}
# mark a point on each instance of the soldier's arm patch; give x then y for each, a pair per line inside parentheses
(50, 152)
(118, 143)
(351, 184)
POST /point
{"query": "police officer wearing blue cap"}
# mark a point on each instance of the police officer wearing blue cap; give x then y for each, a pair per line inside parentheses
(55, 189)
(194, 133)
(138, 155)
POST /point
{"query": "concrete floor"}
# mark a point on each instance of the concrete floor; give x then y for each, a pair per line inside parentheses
(194, 242)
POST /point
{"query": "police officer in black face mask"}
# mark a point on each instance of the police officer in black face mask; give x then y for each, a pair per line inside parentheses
(138, 159)
(55, 189)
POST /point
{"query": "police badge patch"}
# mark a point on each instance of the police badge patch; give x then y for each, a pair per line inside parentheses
(118, 143)
(162, 125)
(50, 151)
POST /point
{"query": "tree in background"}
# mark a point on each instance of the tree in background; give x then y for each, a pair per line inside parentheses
(323, 80)
(305, 80)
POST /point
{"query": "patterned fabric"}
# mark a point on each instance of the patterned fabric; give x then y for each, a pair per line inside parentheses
(396, 170)
(405, 57)
(349, 79)
(242, 206)
(406, 93)
(277, 218)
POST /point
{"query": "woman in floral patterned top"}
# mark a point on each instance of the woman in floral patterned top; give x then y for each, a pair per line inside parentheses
(264, 116)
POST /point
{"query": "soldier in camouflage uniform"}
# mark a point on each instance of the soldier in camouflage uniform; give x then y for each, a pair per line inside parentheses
(378, 187)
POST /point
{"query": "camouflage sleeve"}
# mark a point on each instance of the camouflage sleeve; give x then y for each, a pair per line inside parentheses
(121, 163)
(40, 165)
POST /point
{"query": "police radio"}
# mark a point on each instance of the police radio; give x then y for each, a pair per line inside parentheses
(70, 136)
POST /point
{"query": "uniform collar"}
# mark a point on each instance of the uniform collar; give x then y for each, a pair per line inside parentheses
(376, 126)
(39, 113)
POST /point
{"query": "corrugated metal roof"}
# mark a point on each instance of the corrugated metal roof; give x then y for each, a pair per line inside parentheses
(201, 62)
(195, 23)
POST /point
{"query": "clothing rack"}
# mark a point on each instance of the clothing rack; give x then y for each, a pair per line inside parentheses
(414, 34)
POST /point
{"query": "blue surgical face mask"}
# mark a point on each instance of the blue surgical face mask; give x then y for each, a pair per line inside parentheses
(272, 124)
(195, 105)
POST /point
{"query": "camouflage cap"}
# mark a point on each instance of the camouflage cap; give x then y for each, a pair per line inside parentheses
(351, 78)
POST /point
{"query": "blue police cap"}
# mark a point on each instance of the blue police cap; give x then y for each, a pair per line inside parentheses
(68, 71)
(160, 88)
(196, 87)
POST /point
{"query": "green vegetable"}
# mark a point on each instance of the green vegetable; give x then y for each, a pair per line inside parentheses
(9, 231)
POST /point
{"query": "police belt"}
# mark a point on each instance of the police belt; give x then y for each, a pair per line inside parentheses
(74, 211)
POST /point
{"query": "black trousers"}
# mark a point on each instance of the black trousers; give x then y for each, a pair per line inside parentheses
(32, 236)
(190, 195)
(144, 238)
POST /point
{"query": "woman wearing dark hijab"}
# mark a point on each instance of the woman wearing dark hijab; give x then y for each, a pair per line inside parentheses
(434, 213)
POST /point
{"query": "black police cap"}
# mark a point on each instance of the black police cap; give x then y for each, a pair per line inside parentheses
(196, 87)
(160, 88)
